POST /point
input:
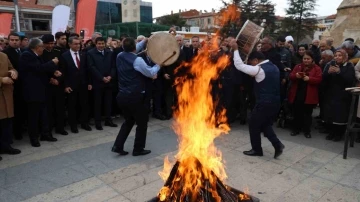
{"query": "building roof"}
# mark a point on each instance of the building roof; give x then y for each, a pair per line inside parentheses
(201, 15)
(279, 17)
(330, 17)
(189, 13)
(31, 4)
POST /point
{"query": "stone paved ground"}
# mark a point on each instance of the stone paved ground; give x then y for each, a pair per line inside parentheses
(80, 167)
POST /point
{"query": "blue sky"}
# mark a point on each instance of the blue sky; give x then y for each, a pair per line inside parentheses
(162, 7)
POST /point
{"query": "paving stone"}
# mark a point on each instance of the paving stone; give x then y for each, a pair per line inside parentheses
(119, 198)
(136, 181)
(146, 192)
(278, 185)
(352, 178)
(336, 169)
(2, 178)
(131, 170)
(97, 195)
(340, 193)
(69, 191)
(66, 176)
(87, 144)
(294, 155)
(314, 161)
(96, 167)
(311, 189)
(31, 187)
(9, 196)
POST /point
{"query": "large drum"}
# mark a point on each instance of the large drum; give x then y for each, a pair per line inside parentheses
(163, 49)
(247, 38)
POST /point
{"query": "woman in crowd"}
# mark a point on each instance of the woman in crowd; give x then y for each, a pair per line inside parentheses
(338, 75)
(303, 95)
(297, 58)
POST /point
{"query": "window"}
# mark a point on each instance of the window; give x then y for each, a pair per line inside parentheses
(209, 20)
(135, 13)
(40, 25)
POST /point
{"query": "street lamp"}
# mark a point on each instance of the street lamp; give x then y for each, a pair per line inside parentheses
(17, 15)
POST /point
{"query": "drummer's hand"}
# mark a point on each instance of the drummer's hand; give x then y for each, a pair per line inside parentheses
(155, 77)
(167, 76)
(234, 45)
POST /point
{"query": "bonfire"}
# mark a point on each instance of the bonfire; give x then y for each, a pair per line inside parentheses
(198, 172)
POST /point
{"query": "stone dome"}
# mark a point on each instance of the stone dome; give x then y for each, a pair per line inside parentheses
(349, 4)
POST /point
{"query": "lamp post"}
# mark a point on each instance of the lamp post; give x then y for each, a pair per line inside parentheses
(17, 15)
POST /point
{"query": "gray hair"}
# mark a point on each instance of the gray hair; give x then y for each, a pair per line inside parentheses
(328, 52)
(34, 42)
(179, 36)
(315, 40)
(94, 35)
(140, 37)
(71, 39)
(271, 40)
(348, 44)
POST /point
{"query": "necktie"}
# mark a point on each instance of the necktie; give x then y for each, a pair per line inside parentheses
(77, 60)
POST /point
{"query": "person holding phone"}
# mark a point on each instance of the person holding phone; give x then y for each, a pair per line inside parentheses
(338, 75)
(303, 95)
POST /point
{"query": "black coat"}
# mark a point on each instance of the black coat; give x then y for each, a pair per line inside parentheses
(100, 66)
(34, 76)
(48, 56)
(275, 58)
(74, 77)
(190, 53)
(13, 56)
(336, 99)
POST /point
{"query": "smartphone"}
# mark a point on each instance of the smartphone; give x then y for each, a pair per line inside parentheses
(301, 74)
(82, 33)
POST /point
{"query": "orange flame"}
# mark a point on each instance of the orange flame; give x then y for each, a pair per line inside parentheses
(196, 122)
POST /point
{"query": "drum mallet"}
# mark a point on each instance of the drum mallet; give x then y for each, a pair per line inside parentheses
(174, 53)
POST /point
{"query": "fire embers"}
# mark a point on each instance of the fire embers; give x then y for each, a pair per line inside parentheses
(214, 190)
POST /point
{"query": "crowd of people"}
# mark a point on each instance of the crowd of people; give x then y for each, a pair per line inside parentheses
(49, 82)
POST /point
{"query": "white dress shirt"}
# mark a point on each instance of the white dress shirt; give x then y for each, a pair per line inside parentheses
(74, 56)
(254, 71)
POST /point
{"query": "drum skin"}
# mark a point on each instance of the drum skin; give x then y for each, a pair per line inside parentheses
(161, 48)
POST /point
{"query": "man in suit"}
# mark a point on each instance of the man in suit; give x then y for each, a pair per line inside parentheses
(192, 51)
(76, 84)
(132, 71)
(34, 79)
(55, 88)
(13, 51)
(7, 76)
(102, 73)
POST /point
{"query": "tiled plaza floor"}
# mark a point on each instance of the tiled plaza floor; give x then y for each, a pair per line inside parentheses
(81, 167)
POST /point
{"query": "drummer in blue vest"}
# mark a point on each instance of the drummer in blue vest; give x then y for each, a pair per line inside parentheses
(267, 93)
(132, 72)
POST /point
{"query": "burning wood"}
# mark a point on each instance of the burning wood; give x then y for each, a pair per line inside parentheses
(173, 189)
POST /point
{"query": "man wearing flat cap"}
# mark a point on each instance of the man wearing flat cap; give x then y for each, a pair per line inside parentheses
(55, 89)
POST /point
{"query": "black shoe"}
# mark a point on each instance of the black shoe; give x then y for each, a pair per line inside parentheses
(307, 135)
(159, 116)
(74, 130)
(86, 127)
(48, 138)
(61, 132)
(279, 150)
(35, 143)
(141, 153)
(98, 127)
(0, 158)
(253, 153)
(330, 137)
(110, 124)
(119, 151)
(295, 133)
(10, 150)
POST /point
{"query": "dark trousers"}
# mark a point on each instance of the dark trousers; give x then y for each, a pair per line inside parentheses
(261, 120)
(148, 94)
(20, 115)
(102, 98)
(302, 117)
(134, 111)
(169, 99)
(5, 133)
(78, 97)
(37, 116)
(157, 96)
(56, 107)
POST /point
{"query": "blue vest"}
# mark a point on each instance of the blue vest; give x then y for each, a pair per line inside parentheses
(268, 90)
(130, 81)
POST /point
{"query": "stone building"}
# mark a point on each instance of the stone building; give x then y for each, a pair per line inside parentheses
(347, 23)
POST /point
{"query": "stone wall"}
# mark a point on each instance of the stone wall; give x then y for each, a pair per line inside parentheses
(347, 23)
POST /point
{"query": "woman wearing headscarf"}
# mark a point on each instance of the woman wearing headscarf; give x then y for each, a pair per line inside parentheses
(338, 75)
(303, 94)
